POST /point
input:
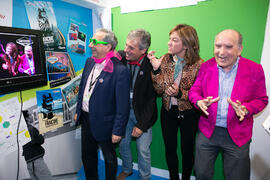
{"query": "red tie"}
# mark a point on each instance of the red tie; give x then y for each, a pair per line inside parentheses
(137, 62)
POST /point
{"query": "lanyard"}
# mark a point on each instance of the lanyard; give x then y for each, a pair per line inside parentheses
(91, 84)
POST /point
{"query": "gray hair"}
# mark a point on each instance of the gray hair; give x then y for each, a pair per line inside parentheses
(27, 47)
(109, 37)
(240, 38)
(144, 36)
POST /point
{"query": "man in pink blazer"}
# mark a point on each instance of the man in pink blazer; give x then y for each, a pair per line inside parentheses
(27, 64)
(229, 90)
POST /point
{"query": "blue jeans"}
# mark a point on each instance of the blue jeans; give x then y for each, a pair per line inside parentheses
(143, 149)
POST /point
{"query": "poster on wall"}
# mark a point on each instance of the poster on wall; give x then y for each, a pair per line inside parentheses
(50, 109)
(68, 124)
(59, 67)
(70, 92)
(41, 16)
(77, 37)
(6, 13)
(9, 119)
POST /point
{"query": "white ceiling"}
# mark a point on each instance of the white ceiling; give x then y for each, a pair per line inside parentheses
(91, 4)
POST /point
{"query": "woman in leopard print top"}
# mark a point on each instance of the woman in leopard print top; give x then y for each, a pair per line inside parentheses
(173, 75)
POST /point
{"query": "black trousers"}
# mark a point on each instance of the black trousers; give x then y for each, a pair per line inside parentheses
(187, 122)
(90, 153)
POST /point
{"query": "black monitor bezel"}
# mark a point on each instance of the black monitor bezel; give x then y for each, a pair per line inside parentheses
(13, 84)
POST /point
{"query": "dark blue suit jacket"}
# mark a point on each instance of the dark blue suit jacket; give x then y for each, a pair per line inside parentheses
(109, 102)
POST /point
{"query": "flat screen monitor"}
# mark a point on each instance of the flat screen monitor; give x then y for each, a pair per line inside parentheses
(22, 59)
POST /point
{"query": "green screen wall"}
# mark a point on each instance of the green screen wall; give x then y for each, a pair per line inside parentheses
(208, 18)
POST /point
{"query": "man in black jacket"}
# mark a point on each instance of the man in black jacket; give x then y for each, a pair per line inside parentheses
(143, 110)
(33, 153)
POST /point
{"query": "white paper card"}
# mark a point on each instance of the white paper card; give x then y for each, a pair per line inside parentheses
(266, 124)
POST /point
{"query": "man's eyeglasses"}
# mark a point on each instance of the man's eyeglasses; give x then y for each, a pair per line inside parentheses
(95, 42)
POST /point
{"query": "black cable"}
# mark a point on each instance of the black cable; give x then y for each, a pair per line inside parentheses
(17, 136)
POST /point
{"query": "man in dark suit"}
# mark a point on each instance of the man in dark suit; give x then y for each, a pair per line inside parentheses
(103, 104)
(143, 109)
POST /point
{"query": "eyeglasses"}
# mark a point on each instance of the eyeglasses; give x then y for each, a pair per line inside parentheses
(95, 42)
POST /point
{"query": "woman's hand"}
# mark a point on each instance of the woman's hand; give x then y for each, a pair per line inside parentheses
(172, 90)
(153, 60)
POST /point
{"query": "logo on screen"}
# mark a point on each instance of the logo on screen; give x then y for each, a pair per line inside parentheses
(24, 41)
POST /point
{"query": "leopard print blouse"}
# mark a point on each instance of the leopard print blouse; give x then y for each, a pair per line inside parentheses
(163, 79)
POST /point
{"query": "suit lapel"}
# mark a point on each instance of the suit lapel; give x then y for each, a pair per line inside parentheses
(88, 71)
(100, 80)
(215, 86)
(236, 87)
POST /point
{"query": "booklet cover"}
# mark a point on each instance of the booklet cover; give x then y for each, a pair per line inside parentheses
(70, 92)
(50, 109)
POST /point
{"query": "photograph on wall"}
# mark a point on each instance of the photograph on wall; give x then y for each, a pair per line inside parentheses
(77, 37)
(9, 119)
(59, 67)
(70, 92)
(41, 16)
(6, 13)
(50, 109)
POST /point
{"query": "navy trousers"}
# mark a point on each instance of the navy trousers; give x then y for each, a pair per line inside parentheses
(90, 153)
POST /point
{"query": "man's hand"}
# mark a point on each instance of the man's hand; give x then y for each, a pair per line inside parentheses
(153, 60)
(240, 110)
(204, 103)
(116, 139)
(172, 90)
(136, 132)
(5, 66)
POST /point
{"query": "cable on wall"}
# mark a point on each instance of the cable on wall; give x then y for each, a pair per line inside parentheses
(17, 138)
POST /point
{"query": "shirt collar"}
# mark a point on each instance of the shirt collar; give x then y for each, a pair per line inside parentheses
(233, 68)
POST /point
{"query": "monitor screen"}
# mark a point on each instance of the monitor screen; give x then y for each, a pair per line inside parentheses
(22, 59)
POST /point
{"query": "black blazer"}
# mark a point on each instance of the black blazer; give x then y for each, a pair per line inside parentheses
(144, 95)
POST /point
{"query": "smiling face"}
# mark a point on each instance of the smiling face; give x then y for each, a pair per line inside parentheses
(28, 52)
(132, 50)
(227, 49)
(175, 45)
(100, 50)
